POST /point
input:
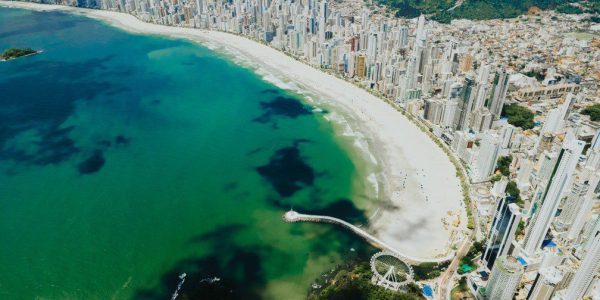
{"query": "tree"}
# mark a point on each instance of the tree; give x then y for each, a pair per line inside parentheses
(539, 76)
(520, 228)
(569, 9)
(593, 19)
(513, 191)
(471, 9)
(426, 271)
(495, 178)
(354, 282)
(503, 164)
(518, 116)
(16, 52)
(592, 111)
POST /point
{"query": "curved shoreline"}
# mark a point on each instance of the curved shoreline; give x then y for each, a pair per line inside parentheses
(419, 182)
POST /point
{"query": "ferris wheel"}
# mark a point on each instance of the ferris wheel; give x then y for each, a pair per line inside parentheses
(390, 271)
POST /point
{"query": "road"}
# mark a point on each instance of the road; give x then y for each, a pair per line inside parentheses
(443, 292)
(449, 273)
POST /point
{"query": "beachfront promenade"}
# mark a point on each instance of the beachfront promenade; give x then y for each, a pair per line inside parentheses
(293, 216)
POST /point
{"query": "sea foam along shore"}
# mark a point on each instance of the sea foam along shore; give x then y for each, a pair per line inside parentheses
(422, 196)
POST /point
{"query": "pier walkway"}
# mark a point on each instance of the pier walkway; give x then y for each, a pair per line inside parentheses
(292, 216)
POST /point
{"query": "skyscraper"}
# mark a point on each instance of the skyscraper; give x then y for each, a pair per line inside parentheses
(507, 135)
(593, 161)
(488, 154)
(566, 107)
(502, 231)
(573, 202)
(577, 211)
(402, 37)
(544, 284)
(421, 33)
(524, 173)
(554, 121)
(482, 86)
(586, 271)
(324, 11)
(504, 279)
(549, 198)
(200, 7)
(409, 88)
(546, 165)
(499, 93)
(586, 238)
(464, 104)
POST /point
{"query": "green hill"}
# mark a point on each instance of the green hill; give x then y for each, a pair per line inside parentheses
(444, 10)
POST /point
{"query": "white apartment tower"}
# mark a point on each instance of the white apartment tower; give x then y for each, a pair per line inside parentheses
(549, 195)
(504, 279)
(488, 154)
(577, 212)
(586, 272)
(593, 161)
(402, 37)
(544, 284)
(524, 174)
(482, 84)
(573, 201)
(546, 165)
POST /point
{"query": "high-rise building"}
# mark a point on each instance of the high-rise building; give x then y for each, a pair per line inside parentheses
(567, 105)
(449, 113)
(524, 174)
(402, 37)
(433, 110)
(482, 87)
(464, 104)
(360, 66)
(507, 135)
(593, 153)
(502, 232)
(488, 154)
(546, 165)
(481, 120)
(585, 273)
(199, 7)
(549, 197)
(324, 10)
(499, 93)
(421, 33)
(577, 210)
(554, 121)
(504, 279)
(499, 188)
(545, 143)
(586, 238)
(573, 201)
(544, 284)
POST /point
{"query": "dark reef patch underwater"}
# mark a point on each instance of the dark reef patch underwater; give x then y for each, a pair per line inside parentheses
(92, 164)
(282, 106)
(287, 172)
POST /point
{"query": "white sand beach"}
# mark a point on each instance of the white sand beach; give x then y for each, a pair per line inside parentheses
(418, 183)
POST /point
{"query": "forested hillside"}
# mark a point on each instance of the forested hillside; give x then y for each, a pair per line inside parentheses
(446, 10)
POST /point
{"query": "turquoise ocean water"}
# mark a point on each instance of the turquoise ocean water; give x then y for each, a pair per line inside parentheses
(126, 160)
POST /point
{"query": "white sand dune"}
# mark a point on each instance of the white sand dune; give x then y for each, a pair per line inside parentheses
(418, 184)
